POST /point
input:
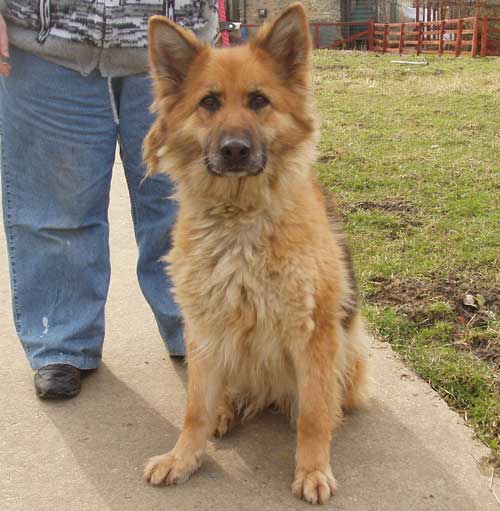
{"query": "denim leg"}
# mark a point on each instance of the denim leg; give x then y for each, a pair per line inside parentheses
(153, 211)
(58, 147)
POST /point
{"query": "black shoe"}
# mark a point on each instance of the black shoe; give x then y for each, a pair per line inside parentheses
(57, 381)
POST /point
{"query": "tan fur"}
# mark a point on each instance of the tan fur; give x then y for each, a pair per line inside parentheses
(262, 279)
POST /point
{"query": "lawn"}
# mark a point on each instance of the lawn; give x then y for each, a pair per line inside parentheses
(413, 155)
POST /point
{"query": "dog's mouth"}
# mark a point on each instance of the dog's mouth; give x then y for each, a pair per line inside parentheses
(216, 166)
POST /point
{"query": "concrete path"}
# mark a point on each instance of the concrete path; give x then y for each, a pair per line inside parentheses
(405, 452)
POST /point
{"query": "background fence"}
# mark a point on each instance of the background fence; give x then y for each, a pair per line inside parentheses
(442, 37)
(490, 36)
(464, 36)
(334, 34)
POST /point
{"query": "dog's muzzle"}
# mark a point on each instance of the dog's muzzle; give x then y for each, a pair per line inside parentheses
(236, 156)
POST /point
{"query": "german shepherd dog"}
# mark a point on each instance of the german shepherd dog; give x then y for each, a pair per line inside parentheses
(261, 272)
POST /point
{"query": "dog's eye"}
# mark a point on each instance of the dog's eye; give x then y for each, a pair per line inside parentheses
(258, 101)
(210, 103)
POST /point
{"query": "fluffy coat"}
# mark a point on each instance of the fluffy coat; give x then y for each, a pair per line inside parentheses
(262, 273)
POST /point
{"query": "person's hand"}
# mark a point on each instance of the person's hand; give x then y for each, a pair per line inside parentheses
(4, 48)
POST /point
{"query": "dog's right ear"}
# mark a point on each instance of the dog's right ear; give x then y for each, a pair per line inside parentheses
(171, 50)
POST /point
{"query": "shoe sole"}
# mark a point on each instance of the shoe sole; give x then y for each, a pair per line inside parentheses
(57, 395)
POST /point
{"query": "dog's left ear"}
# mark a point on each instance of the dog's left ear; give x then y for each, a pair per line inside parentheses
(288, 40)
(172, 50)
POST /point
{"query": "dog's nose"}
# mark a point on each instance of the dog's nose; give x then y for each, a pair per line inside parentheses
(235, 151)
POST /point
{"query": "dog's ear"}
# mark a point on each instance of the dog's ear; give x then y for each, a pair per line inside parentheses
(288, 40)
(171, 50)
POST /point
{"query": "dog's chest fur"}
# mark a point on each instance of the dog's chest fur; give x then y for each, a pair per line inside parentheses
(246, 303)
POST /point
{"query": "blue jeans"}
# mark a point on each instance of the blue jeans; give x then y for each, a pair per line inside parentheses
(59, 136)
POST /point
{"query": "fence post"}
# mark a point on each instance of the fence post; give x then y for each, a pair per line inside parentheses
(384, 41)
(475, 38)
(441, 37)
(458, 42)
(401, 38)
(316, 35)
(370, 35)
(419, 38)
(484, 37)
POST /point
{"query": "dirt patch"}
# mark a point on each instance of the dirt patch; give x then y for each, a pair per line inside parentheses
(329, 156)
(469, 305)
(389, 205)
(485, 348)
(471, 126)
(330, 67)
(406, 213)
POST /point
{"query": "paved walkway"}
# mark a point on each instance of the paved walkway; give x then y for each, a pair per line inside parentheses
(405, 452)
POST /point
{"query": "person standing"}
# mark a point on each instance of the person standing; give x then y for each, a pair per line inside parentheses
(75, 85)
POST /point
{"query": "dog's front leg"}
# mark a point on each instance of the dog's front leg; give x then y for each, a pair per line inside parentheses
(204, 394)
(319, 412)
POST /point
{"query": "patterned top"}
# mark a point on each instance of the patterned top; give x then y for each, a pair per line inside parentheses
(106, 23)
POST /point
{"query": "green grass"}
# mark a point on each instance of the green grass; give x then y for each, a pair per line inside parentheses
(413, 155)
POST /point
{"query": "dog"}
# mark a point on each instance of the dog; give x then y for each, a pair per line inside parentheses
(261, 271)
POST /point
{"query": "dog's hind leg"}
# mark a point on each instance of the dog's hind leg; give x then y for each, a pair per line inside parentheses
(204, 394)
(353, 397)
(226, 416)
(356, 373)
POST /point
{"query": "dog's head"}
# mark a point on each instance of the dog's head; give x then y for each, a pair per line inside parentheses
(229, 113)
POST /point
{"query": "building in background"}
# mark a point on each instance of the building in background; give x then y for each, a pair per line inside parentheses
(386, 11)
(258, 11)
(252, 13)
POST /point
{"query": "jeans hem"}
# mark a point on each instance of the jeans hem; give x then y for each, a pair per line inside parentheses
(173, 348)
(78, 362)
(175, 353)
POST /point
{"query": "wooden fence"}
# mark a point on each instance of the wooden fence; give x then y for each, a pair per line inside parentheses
(490, 36)
(468, 36)
(465, 36)
(350, 32)
(330, 34)
(452, 37)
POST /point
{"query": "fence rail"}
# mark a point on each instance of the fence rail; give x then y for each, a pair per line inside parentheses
(452, 37)
(464, 36)
(490, 36)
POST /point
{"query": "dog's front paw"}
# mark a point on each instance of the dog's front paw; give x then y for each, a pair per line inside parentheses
(316, 487)
(170, 468)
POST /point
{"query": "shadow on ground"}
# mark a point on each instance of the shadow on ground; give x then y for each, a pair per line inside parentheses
(111, 430)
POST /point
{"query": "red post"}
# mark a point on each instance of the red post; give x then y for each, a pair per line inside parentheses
(441, 37)
(316, 35)
(484, 37)
(370, 36)
(222, 17)
(458, 42)
(419, 38)
(384, 41)
(401, 38)
(475, 38)
(417, 8)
